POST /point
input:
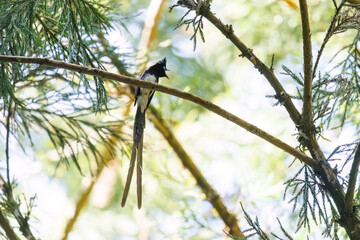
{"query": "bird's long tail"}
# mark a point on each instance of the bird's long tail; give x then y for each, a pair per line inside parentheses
(139, 126)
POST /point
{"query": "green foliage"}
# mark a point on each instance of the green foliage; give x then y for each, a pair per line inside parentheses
(64, 115)
(54, 28)
(336, 94)
(56, 103)
(256, 230)
(6, 88)
(313, 200)
(59, 29)
(197, 24)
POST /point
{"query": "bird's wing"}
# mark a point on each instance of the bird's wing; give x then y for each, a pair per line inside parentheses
(150, 97)
(137, 94)
(138, 90)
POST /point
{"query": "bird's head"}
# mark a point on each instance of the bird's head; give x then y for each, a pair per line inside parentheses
(159, 69)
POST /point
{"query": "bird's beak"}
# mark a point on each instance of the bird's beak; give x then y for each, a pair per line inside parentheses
(167, 75)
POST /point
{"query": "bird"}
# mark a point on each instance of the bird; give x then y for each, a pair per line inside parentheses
(143, 98)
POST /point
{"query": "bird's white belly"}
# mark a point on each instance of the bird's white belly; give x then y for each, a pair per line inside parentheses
(145, 93)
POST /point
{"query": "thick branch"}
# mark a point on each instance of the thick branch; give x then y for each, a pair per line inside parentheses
(188, 96)
(348, 208)
(307, 49)
(349, 218)
(211, 194)
(322, 168)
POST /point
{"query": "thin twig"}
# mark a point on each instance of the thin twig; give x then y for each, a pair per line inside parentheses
(328, 35)
(161, 88)
(272, 63)
(5, 225)
(307, 51)
(349, 198)
(335, 4)
(22, 221)
(7, 143)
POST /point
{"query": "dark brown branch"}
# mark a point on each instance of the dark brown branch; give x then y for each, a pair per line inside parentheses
(5, 225)
(211, 194)
(349, 198)
(322, 169)
(190, 97)
(307, 51)
(349, 218)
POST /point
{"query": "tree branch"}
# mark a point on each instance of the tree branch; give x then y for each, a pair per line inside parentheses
(5, 225)
(307, 49)
(211, 195)
(188, 96)
(6, 186)
(322, 169)
(328, 35)
(349, 198)
(15, 210)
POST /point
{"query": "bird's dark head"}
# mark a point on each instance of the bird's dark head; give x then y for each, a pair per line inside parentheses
(159, 69)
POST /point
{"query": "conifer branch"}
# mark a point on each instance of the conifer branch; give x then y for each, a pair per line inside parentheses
(322, 168)
(204, 9)
(328, 35)
(15, 210)
(161, 88)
